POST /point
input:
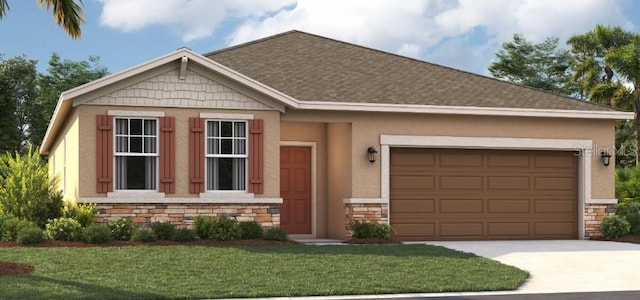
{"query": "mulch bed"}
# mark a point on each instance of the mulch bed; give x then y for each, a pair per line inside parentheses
(9, 268)
(156, 243)
(626, 239)
(372, 241)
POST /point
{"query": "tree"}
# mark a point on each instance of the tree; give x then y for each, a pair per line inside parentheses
(62, 75)
(608, 68)
(542, 65)
(67, 13)
(17, 88)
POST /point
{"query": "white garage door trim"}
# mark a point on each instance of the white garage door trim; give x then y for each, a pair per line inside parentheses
(583, 146)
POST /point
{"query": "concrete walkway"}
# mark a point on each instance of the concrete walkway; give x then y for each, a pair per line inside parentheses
(564, 266)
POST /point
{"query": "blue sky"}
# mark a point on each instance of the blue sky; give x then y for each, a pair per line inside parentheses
(463, 34)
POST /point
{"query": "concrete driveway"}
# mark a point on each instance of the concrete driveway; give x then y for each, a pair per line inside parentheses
(564, 266)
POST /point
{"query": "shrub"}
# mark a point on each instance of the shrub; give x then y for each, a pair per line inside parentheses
(30, 235)
(614, 227)
(163, 230)
(276, 234)
(220, 229)
(11, 226)
(81, 212)
(251, 230)
(184, 235)
(370, 230)
(631, 212)
(97, 234)
(26, 191)
(144, 235)
(64, 229)
(122, 229)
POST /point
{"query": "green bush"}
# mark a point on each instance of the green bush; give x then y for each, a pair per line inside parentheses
(251, 230)
(97, 234)
(26, 191)
(163, 230)
(11, 226)
(631, 212)
(370, 230)
(30, 235)
(276, 234)
(81, 212)
(184, 235)
(144, 235)
(122, 229)
(64, 229)
(219, 229)
(614, 227)
(628, 184)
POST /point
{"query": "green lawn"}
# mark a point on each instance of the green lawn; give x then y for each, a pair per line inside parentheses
(219, 272)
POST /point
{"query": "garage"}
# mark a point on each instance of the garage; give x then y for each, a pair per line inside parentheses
(480, 194)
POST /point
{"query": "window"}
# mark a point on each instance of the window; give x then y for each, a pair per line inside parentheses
(226, 155)
(136, 154)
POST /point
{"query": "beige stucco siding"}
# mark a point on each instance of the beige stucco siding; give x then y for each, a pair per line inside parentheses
(63, 158)
(368, 127)
(340, 176)
(87, 114)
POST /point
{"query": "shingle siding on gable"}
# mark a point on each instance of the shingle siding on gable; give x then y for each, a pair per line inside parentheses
(167, 90)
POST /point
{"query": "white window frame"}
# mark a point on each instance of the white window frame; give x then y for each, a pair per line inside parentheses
(116, 154)
(245, 156)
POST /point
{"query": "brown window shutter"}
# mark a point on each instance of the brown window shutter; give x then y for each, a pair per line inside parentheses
(196, 155)
(104, 155)
(256, 156)
(167, 155)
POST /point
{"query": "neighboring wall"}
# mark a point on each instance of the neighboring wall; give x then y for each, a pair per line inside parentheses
(63, 158)
(367, 128)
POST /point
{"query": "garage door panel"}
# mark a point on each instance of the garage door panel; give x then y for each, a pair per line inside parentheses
(555, 206)
(408, 206)
(485, 194)
(501, 183)
(504, 229)
(461, 159)
(467, 229)
(555, 183)
(460, 205)
(412, 158)
(413, 182)
(508, 206)
(461, 183)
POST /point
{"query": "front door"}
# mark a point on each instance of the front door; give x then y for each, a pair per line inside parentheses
(295, 189)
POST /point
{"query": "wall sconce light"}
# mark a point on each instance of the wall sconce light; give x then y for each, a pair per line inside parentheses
(371, 153)
(606, 157)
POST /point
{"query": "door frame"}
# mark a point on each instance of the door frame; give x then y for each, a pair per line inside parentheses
(583, 146)
(314, 219)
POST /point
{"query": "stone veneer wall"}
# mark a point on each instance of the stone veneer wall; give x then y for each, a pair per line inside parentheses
(593, 215)
(268, 215)
(371, 212)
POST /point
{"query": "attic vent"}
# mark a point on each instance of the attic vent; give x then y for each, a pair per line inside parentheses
(183, 68)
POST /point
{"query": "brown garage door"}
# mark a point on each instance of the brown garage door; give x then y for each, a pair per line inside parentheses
(455, 194)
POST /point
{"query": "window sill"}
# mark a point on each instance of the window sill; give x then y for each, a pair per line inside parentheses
(136, 194)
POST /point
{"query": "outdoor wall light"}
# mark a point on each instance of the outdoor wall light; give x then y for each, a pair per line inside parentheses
(371, 153)
(606, 157)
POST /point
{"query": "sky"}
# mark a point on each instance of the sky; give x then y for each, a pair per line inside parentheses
(462, 34)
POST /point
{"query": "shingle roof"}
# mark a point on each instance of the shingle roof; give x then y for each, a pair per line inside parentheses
(314, 68)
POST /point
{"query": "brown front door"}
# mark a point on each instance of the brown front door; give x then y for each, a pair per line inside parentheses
(295, 189)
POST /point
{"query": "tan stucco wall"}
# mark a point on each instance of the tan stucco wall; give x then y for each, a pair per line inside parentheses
(63, 158)
(340, 176)
(87, 153)
(313, 132)
(367, 128)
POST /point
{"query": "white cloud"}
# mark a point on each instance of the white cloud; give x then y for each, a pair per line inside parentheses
(462, 33)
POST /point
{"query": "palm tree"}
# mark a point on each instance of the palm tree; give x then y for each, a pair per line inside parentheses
(67, 13)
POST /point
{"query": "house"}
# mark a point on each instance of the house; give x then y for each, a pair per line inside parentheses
(309, 133)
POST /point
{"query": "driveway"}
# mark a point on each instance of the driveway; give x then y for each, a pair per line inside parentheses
(564, 266)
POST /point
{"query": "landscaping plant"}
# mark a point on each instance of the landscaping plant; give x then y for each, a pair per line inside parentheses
(81, 212)
(26, 190)
(64, 229)
(251, 230)
(144, 235)
(11, 226)
(30, 235)
(219, 229)
(631, 212)
(183, 235)
(276, 234)
(163, 230)
(371, 230)
(614, 227)
(97, 234)
(122, 229)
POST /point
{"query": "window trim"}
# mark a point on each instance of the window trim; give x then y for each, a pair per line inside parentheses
(142, 115)
(226, 118)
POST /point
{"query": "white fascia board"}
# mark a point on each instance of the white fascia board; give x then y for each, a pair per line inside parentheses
(466, 110)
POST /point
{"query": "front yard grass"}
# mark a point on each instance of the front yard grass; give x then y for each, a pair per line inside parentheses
(168, 272)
